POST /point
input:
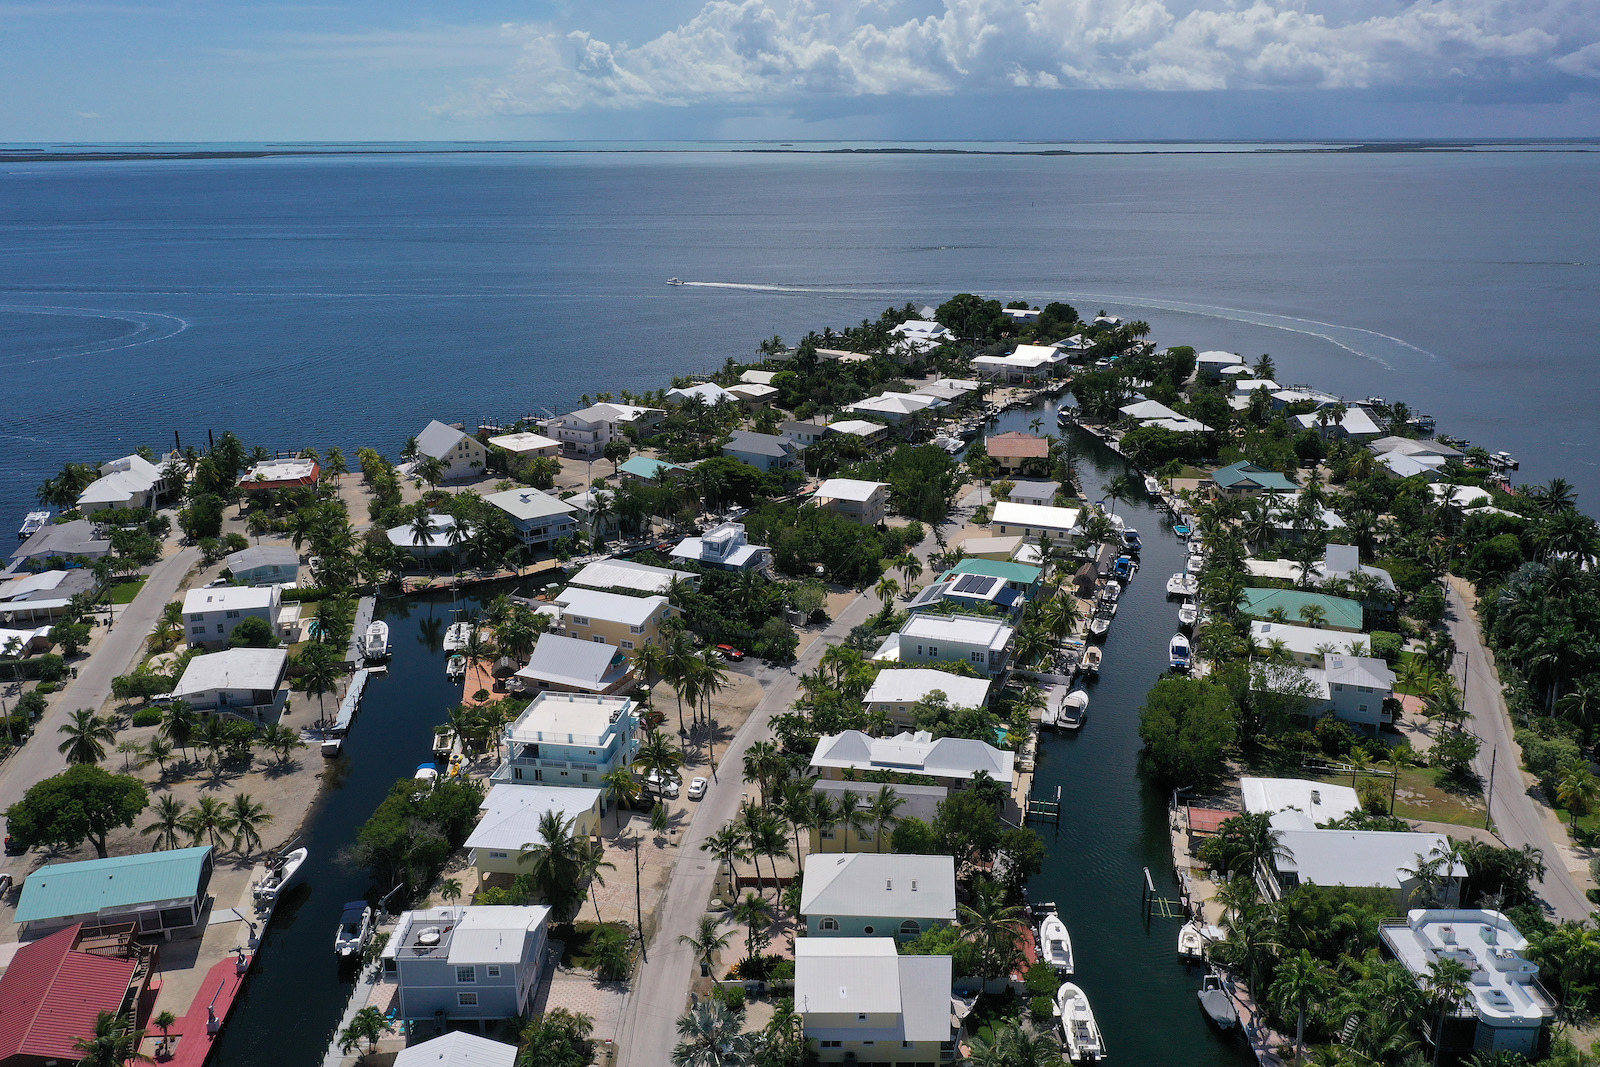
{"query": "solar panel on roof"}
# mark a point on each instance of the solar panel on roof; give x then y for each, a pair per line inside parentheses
(973, 583)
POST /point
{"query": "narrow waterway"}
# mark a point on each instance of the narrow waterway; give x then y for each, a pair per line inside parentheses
(297, 992)
(1114, 821)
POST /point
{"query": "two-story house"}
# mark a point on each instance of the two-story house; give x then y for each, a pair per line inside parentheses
(129, 482)
(571, 739)
(982, 642)
(726, 547)
(265, 565)
(1016, 452)
(1032, 521)
(498, 845)
(763, 451)
(211, 615)
(916, 802)
(625, 622)
(586, 432)
(463, 455)
(895, 692)
(478, 962)
(861, 1002)
(950, 761)
(1246, 479)
(247, 682)
(866, 894)
(540, 519)
(859, 501)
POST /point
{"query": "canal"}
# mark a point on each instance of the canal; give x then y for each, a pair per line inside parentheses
(296, 993)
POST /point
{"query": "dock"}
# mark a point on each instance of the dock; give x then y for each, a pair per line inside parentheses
(351, 703)
(365, 608)
(196, 1032)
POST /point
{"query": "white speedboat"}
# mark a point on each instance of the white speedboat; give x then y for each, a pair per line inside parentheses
(1216, 1003)
(1178, 653)
(1091, 659)
(376, 644)
(1182, 585)
(1078, 1028)
(674, 281)
(1099, 625)
(1110, 592)
(1130, 540)
(1152, 486)
(456, 638)
(1195, 937)
(1187, 614)
(1074, 709)
(455, 668)
(283, 872)
(1055, 944)
(355, 930)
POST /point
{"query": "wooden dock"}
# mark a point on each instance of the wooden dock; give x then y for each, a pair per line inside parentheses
(196, 1032)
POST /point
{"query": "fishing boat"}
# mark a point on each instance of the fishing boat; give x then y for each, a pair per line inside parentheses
(1375, 401)
(283, 871)
(1503, 461)
(1187, 614)
(1216, 1003)
(455, 668)
(1194, 937)
(32, 523)
(1182, 530)
(1110, 592)
(376, 644)
(1055, 944)
(1091, 660)
(1099, 624)
(456, 638)
(1123, 568)
(1078, 1028)
(1074, 709)
(1152, 486)
(1178, 653)
(1425, 423)
(1130, 540)
(355, 930)
(1182, 585)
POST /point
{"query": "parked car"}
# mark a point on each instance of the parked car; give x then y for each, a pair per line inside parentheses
(730, 653)
(697, 788)
(663, 787)
(13, 848)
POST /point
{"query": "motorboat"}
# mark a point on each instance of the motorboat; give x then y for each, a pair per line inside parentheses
(1178, 653)
(674, 281)
(1151, 485)
(1074, 709)
(949, 442)
(1182, 530)
(1055, 944)
(1091, 659)
(456, 638)
(1110, 592)
(1130, 540)
(331, 747)
(1078, 1028)
(1503, 461)
(1123, 568)
(355, 930)
(1217, 1004)
(1425, 423)
(1099, 624)
(455, 668)
(376, 644)
(1194, 937)
(1187, 614)
(1182, 585)
(283, 871)
(1375, 401)
(32, 523)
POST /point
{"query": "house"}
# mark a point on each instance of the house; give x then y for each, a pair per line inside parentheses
(1506, 1008)
(1021, 315)
(1039, 494)
(591, 503)
(1282, 398)
(290, 472)
(1319, 801)
(917, 802)
(540, 518)
(803, 434)
(464, 456)
(441, 536)
(1340, 563)
(1354, 425)
(1337, 612)
(951, 761)
(982, 642)
(567, 665)
(479, 962)
(63, 540)
(129, 482)
(265, 565)
(1402, 465)
(861, 502)
(1181, 424)
(922, 328)
(1015, 367)
(158, 892)
(247, 682)
(625, 622)
(1105, 322)
(894, 407)
(1408, 446)
(1012, 451)
(1245, 387)
(457, 1048)
(758, 377)
(1380, 859)
(585, 433)
(991, 548)
(870, 432)
(861, 1002)
(1307, 645)
(569, 739)
(510, 820)
(948, 390)
(753, 396)
(1019, 576)
(725, 547)
(624, 575)
(865, 894)
(650, 470)
(1357, 687)
(211, 615)
(1209, 366)
(763, 451)
(1032, 521)
(519, 449)
(1146, 410)
(1245, 479)
(707, 393)
(969, 592)
(895, 692)
(31, 596)
(55, 989)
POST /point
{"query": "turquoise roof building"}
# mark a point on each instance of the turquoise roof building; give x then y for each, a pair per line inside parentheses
(649, 469)
(1019, 576)
(1337, 612)
(1246, 479)
(158, 891)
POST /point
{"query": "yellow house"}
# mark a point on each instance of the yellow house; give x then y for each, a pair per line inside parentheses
(625, 622)
(510, 820)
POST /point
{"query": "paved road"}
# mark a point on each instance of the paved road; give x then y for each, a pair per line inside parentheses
(661, 988)
(116, 652)
(1519, 819)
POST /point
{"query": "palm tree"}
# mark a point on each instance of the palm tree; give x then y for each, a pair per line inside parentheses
(1300, 980)
(651, 663)
(319, 676)
(761, 760)
(658, 757)
(157, 751)
(727, 844)
(755, 913)
(910, 568)
(887, 589)
(881, 810)
(622, 788)
(679, 661)
(591, 861)
(113, 1044)
(1313, 615)
(1121, 487)
(707, 940)
(369, 1025)
(851, 815)
(450, 890)
(1577, 788)
(1061, 614)
(1012, 1046)
(177, 724)
(557, 861)
(991, 924)
(709, 1037)
(87, 735)
(209, 819)
(171, 820)
(710, 678)
(246, 817)
(1448, 982)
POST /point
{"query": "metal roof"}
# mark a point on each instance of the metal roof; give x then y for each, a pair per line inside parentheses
(437, 439)
(907, 685)
(512, 811)
(457, 1049)
(51, 994)
(90, 887)
(626, 574)
(610, 607)
(579, 664)
(880, 886)
(1338, 613)
(234, 668)
(1011, 572)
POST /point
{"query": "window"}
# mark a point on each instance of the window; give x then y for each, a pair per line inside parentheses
(197, 629)
(933, 650)
(977, 657)
(219, 627)
(636, 629)
(829, 923)
(861, 1016)
(466, 1000)
(907, 1044)
(466, 974)
(831, 1044)
(625, 644)
(910, 928)
(492, 971)
(827, 833)
(868, 930)
(197, 618)
(580, 620)
(598, 639)
(498, 856)
(231, 614)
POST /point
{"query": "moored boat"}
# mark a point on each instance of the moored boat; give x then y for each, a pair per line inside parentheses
(355, 930)
(1055, 944)
(1182, 530)
(1187, 614)
(1078, 1027)
(1074, 710)
(1194, 937)
(376, 644)
(332, 746)
(1151, 485)
(1123, 568)
(1178, 653)
(1130, 540)
(283, 872)
(1111, 592)
(1100, 624)
(1092, 656)
(1182, 585)
(455, 667)
(1216, 1003)
(32, 523)
(456, 638)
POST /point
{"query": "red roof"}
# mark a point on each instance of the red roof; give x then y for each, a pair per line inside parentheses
(52, 994)
(1018, 445)
(1208, 820)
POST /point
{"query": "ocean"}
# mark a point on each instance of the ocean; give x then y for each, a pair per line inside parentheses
(346, 298)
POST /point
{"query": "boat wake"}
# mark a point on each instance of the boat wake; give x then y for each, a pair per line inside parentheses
(148, 327)
(804, 289)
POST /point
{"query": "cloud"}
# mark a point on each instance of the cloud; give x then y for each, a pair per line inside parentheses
(758, 51)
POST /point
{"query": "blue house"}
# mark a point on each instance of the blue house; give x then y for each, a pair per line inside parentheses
(869, 894)
(570, 739)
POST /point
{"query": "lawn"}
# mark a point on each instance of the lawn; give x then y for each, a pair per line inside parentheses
(124, 592)
(1421, 799)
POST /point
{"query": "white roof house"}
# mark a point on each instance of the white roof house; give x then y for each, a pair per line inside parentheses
(956, 758)
(875, 885)
(1402, 465)
(569, 719)
(758, 377)
(1307, 641)
(1413, 447)
(511, 813)
(1377, 859)
(289, 469)
(983, 641)
(840, 982)
(129, 482)
(1321, 801)
(626, 574)
(229, 598)
(1030, 520)
(439, 537)
(851, 489)
(921, 328)
(571, 665)
(233, 668)
(907, 685)
(893, 406)
(457, 1049)
(1148, 409)
(526, 444)
(858, 427)
(529, 504)
(753, 393)
(708, 392)
(611, 607)
(725, 546)
(1355, 422)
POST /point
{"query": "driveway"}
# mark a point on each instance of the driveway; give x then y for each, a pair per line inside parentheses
(1519, 819)
(117, 652)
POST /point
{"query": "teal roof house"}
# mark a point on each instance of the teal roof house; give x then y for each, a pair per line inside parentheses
(159, 891)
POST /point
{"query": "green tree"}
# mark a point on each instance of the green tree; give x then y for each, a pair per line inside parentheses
(254, 632)
(755, 913)
(87, 735)
(556, 865)
(367, 1025)
(707, 940)
(208, 820)
(709, 1036)
(113, 1044)
(84, 802)
(1186, 725)
(170, 814)
(245, 819)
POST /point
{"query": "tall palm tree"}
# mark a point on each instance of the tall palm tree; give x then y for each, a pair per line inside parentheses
(1448, 982)
(680, 658)
(887, 589)
(87, 735)
(556, 861)
(1577, 788)
(170, 821)
(1300, 980)
(727, 844)
(991, 924)
(707, 940)
(881, 810)
(658, 756)
(709, 1037)
(851, 815)
(208, 820)
(754, 912)
(246, 817)
(319, 676)
(910, 568)
(177, 724)
(760, 760)
(623, 789)
(711, 678)
(591, 861)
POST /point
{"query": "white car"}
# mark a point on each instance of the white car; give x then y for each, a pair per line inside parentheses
(667, 788)
(697, 788)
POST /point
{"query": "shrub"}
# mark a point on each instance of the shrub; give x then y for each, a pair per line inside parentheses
(732, 997)
(1386, 645)
(147, 717)
(1042, 1009)
(30, 706)
(45, 688)
(49, 667)
(1042, 980)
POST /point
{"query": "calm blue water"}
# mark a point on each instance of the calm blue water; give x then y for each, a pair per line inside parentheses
(347, 299)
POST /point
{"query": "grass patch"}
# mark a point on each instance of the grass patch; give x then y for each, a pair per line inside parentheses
(124, 592)
(576, 937)
(1421, 798)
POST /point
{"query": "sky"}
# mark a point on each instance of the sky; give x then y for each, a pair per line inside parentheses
(373, 70)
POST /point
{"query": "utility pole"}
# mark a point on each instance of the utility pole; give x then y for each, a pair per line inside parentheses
(638, 898)
(1488, 796)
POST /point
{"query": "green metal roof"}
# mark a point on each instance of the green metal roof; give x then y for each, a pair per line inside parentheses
(1020, 573)
(648, 467)
(93, 886)
(1339, 613)
(1246, 472)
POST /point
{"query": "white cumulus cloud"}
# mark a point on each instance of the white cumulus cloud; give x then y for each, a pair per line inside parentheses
(752, 51)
